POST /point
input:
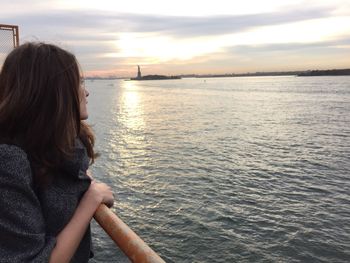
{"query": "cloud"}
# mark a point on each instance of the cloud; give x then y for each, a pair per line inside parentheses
(217, 25)
(97, 22)
(302, 48)
(92, 34)
(277, 57)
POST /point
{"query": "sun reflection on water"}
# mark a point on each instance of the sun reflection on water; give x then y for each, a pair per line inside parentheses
(131, 140)
(131, 111)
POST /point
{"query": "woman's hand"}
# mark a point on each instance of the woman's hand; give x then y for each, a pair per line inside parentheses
(70, 237)
(101, 193)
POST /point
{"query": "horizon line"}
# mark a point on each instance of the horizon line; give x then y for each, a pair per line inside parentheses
(219, 74)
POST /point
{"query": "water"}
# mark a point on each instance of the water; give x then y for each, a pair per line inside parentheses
(229, 169)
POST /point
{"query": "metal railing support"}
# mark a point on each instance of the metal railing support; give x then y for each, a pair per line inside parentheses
(15, 33)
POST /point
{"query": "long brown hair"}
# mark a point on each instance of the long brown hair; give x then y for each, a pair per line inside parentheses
(39, 105)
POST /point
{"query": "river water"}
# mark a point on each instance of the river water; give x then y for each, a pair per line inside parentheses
(227, 169)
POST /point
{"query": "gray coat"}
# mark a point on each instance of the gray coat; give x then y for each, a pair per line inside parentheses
(30, 220)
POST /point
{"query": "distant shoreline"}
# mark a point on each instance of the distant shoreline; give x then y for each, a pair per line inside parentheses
(155, 77)
(332, 72)
(300, 73)
(102, 78)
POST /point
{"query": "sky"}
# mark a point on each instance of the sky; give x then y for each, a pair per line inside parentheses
(110, 38)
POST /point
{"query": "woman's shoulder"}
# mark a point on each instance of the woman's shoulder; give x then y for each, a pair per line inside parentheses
(12, 152)
(13, 161)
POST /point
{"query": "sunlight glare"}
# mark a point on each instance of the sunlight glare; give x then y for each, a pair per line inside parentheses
(161, 47)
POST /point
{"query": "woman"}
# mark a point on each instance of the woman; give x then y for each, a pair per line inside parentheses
(47, 199)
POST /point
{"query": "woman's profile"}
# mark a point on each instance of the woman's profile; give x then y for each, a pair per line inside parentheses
(47, 199)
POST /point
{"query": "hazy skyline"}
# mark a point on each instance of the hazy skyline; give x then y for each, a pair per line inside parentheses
(112, 37)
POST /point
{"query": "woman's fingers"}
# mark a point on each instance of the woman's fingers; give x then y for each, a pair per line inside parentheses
(109, 200)
(108, 196)
(109, 203)
(88, 173)
(102, 191)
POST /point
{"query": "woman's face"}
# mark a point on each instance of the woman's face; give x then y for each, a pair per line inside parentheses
(83, 94)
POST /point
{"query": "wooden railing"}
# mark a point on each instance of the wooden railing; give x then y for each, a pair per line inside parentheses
(126, 239)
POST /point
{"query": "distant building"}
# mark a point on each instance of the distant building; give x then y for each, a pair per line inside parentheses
(138, 72)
